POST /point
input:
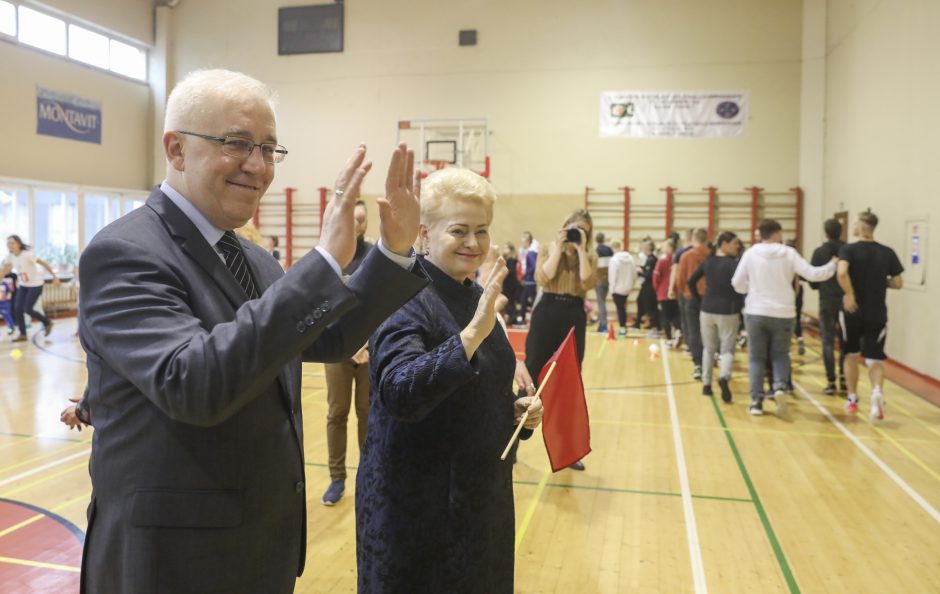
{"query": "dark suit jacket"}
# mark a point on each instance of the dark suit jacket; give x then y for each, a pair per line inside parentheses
(197, 461)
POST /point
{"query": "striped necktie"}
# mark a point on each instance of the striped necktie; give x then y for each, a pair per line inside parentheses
(235, 261)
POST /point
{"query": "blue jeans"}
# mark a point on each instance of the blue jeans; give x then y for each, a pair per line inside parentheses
(24, 302)
(601, 292)
(766, 334)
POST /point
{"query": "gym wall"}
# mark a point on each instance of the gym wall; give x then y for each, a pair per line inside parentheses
(537, 74)
(122, 158)
(881, 150)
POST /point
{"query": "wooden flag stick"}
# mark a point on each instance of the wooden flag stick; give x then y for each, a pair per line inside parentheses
(525, 415)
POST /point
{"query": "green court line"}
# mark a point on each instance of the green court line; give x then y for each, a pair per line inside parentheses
(10, 434)
(634, 491)
(48, 437)
(765, 520)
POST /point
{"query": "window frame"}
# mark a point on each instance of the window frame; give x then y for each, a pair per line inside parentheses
(70, 20)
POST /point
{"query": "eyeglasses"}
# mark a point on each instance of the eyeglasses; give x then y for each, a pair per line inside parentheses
(241, 148)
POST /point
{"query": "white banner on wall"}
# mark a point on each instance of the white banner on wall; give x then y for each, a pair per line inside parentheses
(673, 114)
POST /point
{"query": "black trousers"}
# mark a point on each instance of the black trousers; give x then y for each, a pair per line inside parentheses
(669, 314)
(830, 333)
(798, 329)
(552, 319)
(646, 305)
(620, 302)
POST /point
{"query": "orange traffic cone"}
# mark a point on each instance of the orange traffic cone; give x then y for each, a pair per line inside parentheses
(610, 332)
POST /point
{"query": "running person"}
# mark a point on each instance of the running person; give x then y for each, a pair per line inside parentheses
(866, 270)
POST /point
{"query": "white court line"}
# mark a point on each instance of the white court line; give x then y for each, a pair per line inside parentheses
(39, 469)
(695, 549)
(873, 457)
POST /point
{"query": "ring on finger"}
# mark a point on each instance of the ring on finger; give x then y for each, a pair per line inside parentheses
(338, 192)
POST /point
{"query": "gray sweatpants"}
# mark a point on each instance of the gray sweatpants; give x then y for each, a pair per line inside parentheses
(719, 333)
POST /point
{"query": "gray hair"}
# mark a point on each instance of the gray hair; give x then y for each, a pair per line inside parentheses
(193, 96)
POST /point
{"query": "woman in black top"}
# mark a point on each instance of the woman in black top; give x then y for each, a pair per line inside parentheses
(720, 307)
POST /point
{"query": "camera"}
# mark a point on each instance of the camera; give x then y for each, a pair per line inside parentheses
(573, 235)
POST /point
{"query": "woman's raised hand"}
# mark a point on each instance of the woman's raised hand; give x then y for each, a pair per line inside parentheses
(485, 316)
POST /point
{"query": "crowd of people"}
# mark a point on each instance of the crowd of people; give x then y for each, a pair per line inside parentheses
(194, 341)
(713, 297)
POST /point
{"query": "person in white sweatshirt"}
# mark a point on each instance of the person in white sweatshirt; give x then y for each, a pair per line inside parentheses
(621, 276)
(765, 274)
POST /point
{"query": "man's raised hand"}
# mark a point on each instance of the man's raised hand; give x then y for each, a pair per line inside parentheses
(399, 210)
(338, 233)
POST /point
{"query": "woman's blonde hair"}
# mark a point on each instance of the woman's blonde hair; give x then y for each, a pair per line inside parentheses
(453, 183)
(582, 215)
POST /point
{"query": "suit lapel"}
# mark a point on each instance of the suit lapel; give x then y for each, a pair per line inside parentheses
(195, 245)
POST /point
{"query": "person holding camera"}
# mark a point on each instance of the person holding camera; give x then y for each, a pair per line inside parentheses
(566, 271)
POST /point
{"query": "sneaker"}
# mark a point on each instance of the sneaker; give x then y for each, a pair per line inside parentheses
(20, 338)
(697, 372)
(742, 340)
(602, 329)
(851, 406)
(579, 465)
(334, 493)
(707, 390)
(843, 387)
(756, 408)
(622, 332)
(725, 389)
(47, 329)
(780, 398)
(830, 389)
(801, 348)
(877, 413)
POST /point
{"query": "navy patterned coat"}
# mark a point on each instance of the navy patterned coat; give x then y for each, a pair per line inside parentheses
(434, 503)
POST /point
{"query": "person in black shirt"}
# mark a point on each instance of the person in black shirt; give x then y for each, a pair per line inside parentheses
(720, 307)
(830, 306)
(511, 286)
(646, 304)
(866, 270)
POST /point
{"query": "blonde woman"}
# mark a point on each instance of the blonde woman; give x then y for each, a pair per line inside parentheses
(434, 503)
(566, 271)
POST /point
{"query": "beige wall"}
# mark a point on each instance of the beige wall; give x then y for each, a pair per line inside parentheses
(883, 86)
(536, 75)
(120, 161)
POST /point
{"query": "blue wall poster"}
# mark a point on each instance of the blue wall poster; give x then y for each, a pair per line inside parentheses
(67, 116)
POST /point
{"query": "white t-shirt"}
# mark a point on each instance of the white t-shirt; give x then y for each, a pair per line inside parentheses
(24, 265)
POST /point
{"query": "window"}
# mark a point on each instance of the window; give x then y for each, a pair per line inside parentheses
(42, 31)
(38, 29)
(56, 239)
(14, 213)
(128, 60)
(7, 18)
(88, 47)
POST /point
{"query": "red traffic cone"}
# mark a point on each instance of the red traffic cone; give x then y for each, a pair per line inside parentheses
(610, 332)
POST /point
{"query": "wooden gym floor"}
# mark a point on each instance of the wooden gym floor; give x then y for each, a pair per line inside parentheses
(681, 494)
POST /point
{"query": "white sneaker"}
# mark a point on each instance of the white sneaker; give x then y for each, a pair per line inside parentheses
(877, 413)
(780, 398)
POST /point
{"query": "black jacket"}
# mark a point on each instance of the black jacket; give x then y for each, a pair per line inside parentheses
(829, 289)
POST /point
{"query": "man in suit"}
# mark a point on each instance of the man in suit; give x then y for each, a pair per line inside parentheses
(194, 342)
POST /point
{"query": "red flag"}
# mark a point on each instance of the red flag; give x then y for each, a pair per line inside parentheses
(565, 425)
